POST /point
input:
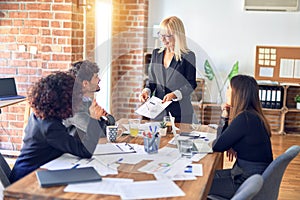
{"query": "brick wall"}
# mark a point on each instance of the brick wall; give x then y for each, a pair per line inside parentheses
(130, 21)
(90, 30)
(55, 28)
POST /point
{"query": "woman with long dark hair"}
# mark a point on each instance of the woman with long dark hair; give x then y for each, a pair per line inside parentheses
(244, 133)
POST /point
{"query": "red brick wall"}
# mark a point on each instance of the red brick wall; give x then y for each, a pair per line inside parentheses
(55, 28)
(90, 30)
(130, 21)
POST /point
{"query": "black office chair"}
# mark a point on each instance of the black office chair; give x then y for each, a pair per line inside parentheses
(4, 172)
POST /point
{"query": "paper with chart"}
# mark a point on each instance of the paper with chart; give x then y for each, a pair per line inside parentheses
(152, 107)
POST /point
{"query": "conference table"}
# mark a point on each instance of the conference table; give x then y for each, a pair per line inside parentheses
(28, 187)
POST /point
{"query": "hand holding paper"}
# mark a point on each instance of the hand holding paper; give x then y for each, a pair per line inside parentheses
(152, 107)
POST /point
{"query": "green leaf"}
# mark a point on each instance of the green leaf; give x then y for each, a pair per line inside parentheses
(209, 73)
(234, 71)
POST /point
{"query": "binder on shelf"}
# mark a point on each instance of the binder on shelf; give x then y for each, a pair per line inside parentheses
(273, 97)
(263, 96)
(268, 97)
(279, 97)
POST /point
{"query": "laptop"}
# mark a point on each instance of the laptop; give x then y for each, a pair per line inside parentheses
(8, 90)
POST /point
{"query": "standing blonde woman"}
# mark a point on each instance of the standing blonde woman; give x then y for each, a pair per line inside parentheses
(246, 136)
(172, 72)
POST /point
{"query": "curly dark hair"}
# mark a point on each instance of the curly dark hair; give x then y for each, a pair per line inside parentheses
(84, 70)
(52, 96)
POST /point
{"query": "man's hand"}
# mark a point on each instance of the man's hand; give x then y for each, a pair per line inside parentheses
(96, 111)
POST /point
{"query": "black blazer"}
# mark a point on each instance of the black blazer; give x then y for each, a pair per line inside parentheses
(48, 139)
(180, 75)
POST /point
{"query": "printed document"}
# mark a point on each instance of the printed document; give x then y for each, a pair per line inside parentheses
(152, 107)
(150, 189)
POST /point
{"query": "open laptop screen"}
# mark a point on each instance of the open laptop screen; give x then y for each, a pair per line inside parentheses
(8, 89)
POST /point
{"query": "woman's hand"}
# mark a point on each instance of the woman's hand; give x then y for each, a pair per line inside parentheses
(230, 154)
(96, 111)
(143, 96)
(169, 97)
(225, 110)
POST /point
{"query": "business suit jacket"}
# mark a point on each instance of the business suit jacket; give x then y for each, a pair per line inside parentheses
(77, 125)
(48, 139)
(180, 75)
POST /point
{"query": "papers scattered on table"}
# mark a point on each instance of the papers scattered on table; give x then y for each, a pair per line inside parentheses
(152, 108)
(65, 161)
(108, 186)
(128, 189)
(114, 148)
(150, 189)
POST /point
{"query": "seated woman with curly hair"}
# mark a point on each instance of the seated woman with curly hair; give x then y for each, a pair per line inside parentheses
(46, 138)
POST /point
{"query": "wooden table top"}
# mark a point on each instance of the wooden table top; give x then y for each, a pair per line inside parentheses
(10, 102)
(28, 187)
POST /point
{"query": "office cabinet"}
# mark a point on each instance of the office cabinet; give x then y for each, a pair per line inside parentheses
(281, 113)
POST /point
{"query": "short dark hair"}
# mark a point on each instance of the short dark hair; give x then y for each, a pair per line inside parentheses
(84, 70)
(52, 96)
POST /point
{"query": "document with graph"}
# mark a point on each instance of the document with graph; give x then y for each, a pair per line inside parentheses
(152, 107)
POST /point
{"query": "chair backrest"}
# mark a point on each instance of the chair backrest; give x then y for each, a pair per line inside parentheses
(249, 188)
(4, 171)
(273, 174)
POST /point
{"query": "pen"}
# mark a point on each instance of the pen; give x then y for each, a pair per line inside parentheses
(119, 147)
(147, 103)
(75, 166)
(117, 161)
(153, 140)
(130, 147)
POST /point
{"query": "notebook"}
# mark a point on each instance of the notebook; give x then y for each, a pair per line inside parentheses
(8, 90)
(48, 178)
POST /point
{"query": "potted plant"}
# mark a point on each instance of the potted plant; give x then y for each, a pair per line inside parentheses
(297, 100)
(163, 128)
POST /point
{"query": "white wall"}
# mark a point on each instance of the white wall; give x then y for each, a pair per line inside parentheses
(223, 32)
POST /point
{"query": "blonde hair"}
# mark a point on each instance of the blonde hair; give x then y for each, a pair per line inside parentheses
(175, 26)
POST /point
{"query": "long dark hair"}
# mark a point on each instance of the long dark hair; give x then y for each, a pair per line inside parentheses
(244, 96)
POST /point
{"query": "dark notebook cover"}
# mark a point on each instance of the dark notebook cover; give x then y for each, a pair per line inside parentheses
(48, 178)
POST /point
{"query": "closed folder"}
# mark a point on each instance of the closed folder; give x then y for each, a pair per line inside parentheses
(48, 178)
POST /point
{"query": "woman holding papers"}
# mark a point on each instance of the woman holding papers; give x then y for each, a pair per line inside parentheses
(172, 72)
(52, 100)
(246, 136)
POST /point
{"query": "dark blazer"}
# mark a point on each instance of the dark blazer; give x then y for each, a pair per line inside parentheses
(180, 75)
(77, 125)
(48, 139)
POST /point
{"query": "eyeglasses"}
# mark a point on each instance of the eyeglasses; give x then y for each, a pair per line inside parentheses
(164, 36)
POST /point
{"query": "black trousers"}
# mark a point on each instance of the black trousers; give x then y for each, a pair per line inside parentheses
(223, 184)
